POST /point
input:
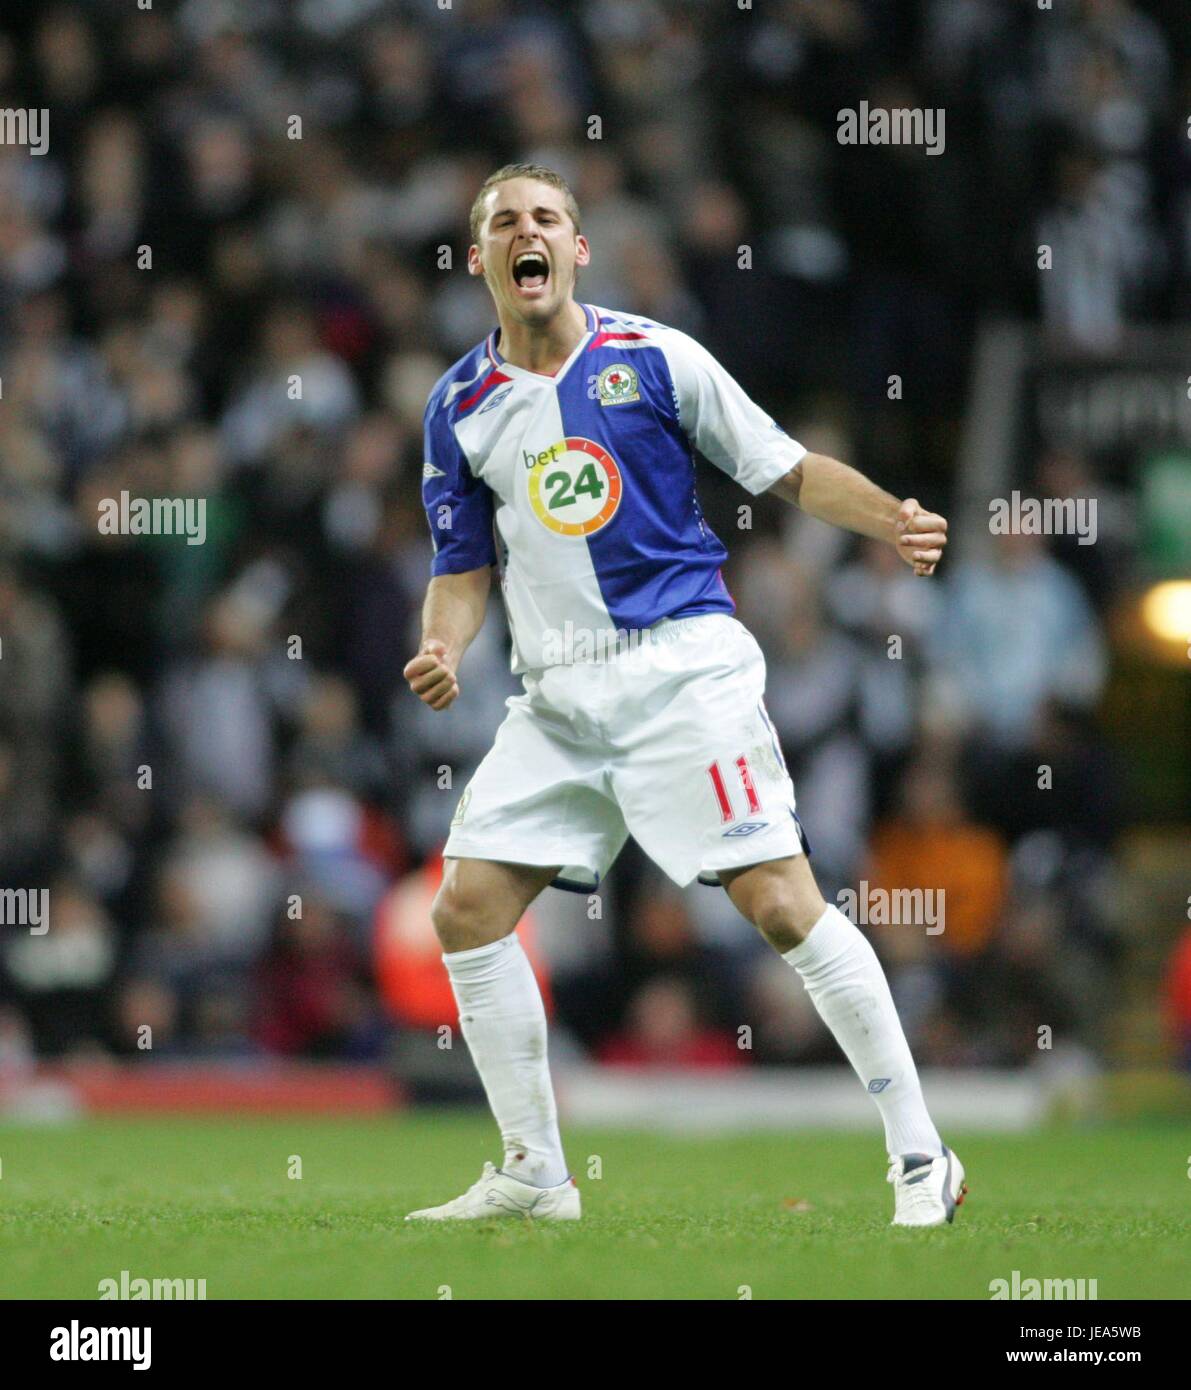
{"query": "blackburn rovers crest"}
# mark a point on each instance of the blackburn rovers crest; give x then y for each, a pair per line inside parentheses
(617, 385)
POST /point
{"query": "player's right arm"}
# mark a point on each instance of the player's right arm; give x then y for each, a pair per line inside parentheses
(459, 507)
(451, 616)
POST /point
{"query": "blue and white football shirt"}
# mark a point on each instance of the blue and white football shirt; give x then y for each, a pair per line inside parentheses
(581, 486)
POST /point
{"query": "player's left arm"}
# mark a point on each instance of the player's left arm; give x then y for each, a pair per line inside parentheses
(747, 444)
(834, 492)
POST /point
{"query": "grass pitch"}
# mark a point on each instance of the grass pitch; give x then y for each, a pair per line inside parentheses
(791, 1216)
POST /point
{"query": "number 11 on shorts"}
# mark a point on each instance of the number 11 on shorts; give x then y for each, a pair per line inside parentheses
(721, 792)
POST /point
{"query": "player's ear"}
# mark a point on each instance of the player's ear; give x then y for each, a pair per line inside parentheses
(475, 266)
(582, 251)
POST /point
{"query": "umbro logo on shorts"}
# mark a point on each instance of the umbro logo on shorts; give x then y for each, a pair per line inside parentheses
(746, 829)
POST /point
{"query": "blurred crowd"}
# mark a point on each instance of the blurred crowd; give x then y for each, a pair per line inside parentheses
(206, 752)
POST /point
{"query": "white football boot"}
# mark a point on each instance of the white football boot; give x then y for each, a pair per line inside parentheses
(497, 1194)
(927, 1190)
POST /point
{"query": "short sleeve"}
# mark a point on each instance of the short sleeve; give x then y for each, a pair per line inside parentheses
(459, 506)
(722, 422)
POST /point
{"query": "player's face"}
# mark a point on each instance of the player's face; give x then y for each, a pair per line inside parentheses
(528, 250)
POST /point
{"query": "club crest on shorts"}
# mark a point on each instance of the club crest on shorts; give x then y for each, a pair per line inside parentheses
(461, 809)
(617, 385)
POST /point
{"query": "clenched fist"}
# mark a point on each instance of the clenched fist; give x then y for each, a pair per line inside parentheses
(431, 676)
(921, 536)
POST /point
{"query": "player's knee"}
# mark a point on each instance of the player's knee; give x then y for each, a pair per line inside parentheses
(462, 919)
(784, 912)
(781, 922)
(780, 898)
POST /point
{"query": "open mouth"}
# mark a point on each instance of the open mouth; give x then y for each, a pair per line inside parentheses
(530, 270)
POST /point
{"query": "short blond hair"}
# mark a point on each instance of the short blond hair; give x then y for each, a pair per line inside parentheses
(522, 171)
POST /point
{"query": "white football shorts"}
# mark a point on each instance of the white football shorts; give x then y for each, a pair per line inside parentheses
(666, 739)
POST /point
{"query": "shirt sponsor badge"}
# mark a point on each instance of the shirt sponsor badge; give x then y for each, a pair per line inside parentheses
(574, 486)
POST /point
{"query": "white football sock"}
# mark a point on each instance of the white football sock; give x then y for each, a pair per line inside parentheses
(848, 987)
(504, 1021)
